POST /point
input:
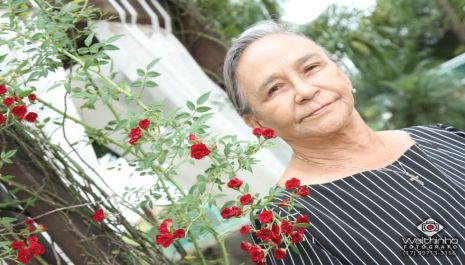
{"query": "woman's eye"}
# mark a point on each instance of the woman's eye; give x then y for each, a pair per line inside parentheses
(309, 68)
(272, 90)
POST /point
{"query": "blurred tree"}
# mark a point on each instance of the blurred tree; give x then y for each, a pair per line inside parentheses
(232, 17)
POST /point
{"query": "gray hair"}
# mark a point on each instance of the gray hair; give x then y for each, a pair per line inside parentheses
(251, 34)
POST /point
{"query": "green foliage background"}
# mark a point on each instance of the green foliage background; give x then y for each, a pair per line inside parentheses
(394, 49)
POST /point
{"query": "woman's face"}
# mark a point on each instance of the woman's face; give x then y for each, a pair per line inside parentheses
(286, 77)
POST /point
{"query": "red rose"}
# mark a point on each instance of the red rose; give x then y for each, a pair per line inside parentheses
(265, 217)
(180, 233)
(24, 256)
(164, 240)
(36, 249)
(268, 133)
(279, 253)
(199, 151)
(302, 219)
(234, 183)
(164, 226)
(275, 229)
(144, 124)
(303, 191)
(2, 118)
(292, 183)
(99, 215)
(226, 213)
(15, 245)
(256, 253)
(193, 138)
(287, 227)
(245, 229)
(32, 239)
(277, 239)
(296, 237)
(8, 101)
(245, 245)
(32, 97)
(132, 141)
(42, 228)
(233, 211)
(246, 199)
(264, 234)
(31, 116)
(135, 133)
(236, 211)
(3, 89)
(19, 111)
(257, 131)
(29, 221)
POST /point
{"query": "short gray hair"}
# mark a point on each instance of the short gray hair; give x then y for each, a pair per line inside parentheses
(251, 34)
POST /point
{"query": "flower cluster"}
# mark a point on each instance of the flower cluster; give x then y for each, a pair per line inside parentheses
(16, 106)
(275, 233)
(136, 133)
(294, 186)
(198, 150)
(165, 237)
(268, 133)
(26, 253)
(99, 215)
(30, 226)
(245, 199)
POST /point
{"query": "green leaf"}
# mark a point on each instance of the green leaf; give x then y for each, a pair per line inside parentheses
(202, 187)
(162, 157)
(25, 93)
(89, 39)
(203, 109)
(305, 225)
(294, 249)
(182, 115)
(152, 74)
(114, 38)
(7, 221)
(137, 83)
(6, 156)
(150, 84)
(190, 105)
(228, 204)
(140, 72)
(2, 57)
(203, 98)
(192, 189)
(121, 124)
(246, 187)
(152, 64)
(110, 47)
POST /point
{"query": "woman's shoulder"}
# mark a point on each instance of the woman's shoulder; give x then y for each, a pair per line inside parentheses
(441, 128)
(451, 129)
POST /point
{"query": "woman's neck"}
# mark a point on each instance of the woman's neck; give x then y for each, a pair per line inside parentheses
(347, 144)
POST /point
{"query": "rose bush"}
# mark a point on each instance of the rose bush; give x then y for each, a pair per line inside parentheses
(159, 142)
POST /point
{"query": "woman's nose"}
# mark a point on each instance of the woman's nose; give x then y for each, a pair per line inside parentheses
(304, 91)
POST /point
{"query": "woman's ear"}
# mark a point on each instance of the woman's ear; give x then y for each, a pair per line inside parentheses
(251, 121)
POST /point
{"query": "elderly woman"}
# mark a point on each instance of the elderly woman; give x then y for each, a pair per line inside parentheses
(376, 197)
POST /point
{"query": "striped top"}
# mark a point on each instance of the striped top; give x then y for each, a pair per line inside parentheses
(365, 218)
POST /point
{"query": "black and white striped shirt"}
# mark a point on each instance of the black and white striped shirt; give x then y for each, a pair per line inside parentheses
(365, 218)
